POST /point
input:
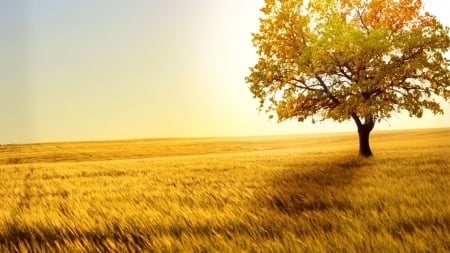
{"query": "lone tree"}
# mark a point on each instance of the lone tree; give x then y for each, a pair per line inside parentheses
(349, 59)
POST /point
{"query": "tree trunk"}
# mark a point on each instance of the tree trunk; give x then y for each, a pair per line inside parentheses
(364, 147)
(364, 130)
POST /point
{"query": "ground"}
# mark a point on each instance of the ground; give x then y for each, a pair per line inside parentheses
(304, 193)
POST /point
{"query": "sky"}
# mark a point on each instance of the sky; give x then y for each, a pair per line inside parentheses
(96, 70)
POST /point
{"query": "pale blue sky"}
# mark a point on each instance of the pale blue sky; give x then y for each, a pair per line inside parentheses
(89, 70)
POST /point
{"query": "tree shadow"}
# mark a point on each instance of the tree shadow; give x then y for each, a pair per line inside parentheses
(324, 185)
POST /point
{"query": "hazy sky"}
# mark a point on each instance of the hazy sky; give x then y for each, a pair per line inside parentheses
(88, 70)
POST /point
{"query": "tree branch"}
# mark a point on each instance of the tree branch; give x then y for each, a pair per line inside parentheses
(356, 119)
(360, 15)
(327, 91)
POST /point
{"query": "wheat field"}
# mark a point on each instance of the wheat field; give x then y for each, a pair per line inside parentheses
(304, 193)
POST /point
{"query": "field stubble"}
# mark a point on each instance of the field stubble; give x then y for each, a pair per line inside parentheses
(277, 194)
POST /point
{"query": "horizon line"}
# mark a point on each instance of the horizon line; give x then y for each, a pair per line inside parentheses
(215, 137)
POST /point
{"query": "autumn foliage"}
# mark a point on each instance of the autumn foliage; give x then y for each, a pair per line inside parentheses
(350, 59)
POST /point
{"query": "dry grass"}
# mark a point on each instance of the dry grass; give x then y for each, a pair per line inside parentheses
(275, 194)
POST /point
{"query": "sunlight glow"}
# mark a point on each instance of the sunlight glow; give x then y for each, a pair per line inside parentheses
(83, 70)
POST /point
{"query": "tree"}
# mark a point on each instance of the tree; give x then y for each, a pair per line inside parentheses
(349, 59)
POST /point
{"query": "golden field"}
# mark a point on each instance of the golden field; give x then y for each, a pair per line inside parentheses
(304, 193)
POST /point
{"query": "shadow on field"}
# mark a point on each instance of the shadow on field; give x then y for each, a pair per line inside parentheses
(323, 186)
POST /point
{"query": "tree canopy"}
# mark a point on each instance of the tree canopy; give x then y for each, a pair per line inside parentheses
(349, 59)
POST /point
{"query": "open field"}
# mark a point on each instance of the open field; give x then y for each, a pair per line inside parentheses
(269, 194)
